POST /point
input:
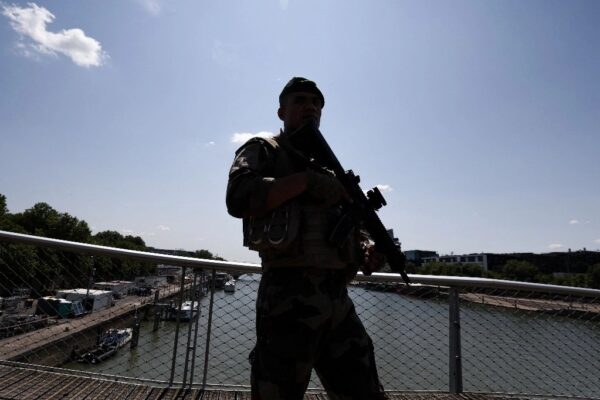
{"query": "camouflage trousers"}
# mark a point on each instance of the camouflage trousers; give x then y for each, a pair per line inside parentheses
(306, 320)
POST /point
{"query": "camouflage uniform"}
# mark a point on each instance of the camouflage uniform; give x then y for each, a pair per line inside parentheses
(304, 317)
(306, 320)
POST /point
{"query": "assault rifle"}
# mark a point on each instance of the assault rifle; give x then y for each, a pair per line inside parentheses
(311, 144)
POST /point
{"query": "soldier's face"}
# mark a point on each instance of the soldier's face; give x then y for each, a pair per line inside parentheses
(300, 108)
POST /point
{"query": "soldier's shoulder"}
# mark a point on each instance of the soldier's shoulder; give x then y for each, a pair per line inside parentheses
(257, 143)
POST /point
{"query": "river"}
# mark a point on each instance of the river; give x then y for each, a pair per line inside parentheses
(503, 350)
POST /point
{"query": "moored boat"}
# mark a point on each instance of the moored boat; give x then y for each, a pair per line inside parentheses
(186, 313)
(111, 341)
(229, 286)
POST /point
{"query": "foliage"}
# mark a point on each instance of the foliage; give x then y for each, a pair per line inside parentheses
(45, 270)
(441, 268)
(519, 271)
(125, 269)
(3, 207)
(207, 255)
(594, 276)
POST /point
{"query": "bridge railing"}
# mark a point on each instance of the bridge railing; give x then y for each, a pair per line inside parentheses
(446, 334)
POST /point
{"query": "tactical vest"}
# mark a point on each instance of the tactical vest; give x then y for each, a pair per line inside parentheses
(296, 233)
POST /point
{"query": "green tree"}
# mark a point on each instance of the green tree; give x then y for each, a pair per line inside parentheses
(43, 220)
(207, 255)
(114, 268)
(3, 207)
(520, 270)
(474, 270)
(594, 276)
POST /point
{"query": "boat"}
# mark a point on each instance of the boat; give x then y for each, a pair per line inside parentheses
(97, 355)
(229, 286)
(116, 337)
(186, 313)
(220, 279)
(111, 341)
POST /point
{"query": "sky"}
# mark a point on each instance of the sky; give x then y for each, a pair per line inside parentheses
(479, 120)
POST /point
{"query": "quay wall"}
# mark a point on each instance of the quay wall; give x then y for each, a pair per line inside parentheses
(57, 352)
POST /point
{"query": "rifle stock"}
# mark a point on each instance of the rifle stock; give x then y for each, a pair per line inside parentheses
(363, 209)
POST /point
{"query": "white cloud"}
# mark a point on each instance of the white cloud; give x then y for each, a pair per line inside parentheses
(284, 4)
(555, 246)
(31, 23)
(209, 144)
(127, 231)
(574, 221)
(597, 241)
(163, 228)
(384, 188)
(244, 137)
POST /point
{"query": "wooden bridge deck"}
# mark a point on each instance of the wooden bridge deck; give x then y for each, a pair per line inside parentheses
(29, 384)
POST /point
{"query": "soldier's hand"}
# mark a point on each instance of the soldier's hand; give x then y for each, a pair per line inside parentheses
(372, 259)
(326, 189)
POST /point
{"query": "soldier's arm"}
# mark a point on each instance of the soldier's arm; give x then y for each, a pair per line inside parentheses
(250, 193)
(324, 189)
(286, 188)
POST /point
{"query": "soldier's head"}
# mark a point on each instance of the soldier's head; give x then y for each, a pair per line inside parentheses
(300, 101)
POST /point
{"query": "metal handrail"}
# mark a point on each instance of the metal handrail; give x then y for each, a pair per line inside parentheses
(227, 266)
(451, 285)
(96, 250)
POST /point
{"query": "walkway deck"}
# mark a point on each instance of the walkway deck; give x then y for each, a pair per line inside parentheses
(29, 384)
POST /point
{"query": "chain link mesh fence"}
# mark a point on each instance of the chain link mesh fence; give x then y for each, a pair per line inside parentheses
(56, 312)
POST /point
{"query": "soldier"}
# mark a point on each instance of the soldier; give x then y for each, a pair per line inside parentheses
(304, 317)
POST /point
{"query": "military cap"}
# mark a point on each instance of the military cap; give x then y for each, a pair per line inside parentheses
(299, 84)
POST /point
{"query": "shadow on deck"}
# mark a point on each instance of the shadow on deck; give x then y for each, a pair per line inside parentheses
(28, 384)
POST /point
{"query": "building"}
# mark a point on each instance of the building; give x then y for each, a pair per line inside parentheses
(417, 256)
(118, 288)
(480, 259)
(92, 299)
(151, 281)
(173, 273)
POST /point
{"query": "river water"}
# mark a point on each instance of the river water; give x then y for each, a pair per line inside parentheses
(503, 350)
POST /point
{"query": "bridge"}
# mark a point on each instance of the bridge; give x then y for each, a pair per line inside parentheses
(442, 338)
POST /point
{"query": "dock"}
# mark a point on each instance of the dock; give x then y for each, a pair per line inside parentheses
(16, 347)
(31, 384)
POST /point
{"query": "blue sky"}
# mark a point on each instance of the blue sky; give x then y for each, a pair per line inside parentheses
(480, 119)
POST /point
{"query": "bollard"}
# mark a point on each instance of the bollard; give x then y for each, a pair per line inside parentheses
(136, 331)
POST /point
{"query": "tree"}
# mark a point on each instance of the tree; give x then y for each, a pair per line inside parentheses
(3, 207)
(520, 270)
(114, 268)
(43, 220)
(594, 276)
(207, 255)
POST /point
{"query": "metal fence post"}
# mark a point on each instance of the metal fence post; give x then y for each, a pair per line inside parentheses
(209, 327)
(455, 360)
(197, 293)
(177, 322)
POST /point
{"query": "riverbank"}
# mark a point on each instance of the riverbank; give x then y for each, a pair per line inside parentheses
(560, 307)
(576, 309)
